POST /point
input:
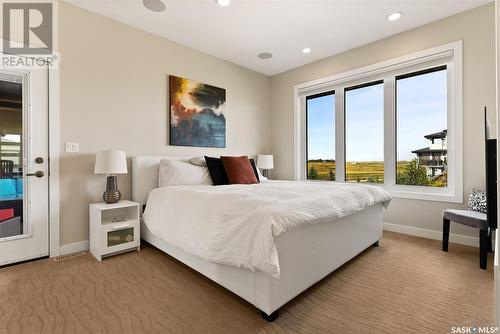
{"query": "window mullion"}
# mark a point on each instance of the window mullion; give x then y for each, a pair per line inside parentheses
(339, 135)
(452, 140)
(389, 132)
(302, 167)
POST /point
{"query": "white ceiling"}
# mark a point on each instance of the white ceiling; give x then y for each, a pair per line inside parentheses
(239, 32)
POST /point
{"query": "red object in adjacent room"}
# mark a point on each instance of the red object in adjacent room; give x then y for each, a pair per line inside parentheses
(6, 214)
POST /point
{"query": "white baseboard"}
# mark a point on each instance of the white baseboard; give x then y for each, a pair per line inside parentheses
(431, 234)
(461, 239)
(75, 247)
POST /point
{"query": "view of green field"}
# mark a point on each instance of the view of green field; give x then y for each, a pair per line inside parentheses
(355, 171)
(372, 172)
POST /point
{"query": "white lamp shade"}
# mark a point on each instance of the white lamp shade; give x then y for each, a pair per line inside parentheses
(265, 161)
(110, 162)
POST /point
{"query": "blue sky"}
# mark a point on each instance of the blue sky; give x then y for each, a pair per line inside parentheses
(321, 127)
(421, 109)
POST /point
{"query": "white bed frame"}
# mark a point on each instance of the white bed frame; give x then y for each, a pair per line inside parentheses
(306, 255)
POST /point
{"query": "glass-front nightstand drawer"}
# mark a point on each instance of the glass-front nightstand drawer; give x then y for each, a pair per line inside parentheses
(119, 237)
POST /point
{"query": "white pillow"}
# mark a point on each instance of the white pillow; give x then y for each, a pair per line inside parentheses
(176, 173)
(262, 178)
(198, 161)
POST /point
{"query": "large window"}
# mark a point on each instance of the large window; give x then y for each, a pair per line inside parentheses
(321, 136)
(364, 127)
(422, 128)
(396, 124)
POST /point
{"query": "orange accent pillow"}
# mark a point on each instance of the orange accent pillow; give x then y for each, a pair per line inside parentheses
(239, 170)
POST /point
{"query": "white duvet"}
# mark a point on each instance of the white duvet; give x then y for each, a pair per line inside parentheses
(236, 224)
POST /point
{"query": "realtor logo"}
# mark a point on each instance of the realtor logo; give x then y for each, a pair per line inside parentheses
(28, 28)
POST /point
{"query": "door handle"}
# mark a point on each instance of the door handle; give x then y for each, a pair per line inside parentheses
(38, 173)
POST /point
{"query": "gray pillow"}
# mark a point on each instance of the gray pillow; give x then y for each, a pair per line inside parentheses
(198, 161)
(477, 201)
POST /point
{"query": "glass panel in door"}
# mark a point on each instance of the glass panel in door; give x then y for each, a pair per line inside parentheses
(11, 157)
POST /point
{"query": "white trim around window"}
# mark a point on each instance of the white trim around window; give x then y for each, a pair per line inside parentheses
(449, 55)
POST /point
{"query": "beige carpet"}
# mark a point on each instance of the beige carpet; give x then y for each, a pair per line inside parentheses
(407, 285)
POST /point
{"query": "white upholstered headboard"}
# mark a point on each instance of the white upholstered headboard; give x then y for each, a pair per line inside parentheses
(145, 175)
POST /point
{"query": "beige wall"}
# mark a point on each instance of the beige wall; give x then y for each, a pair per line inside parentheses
(113, 82)
(477, 30)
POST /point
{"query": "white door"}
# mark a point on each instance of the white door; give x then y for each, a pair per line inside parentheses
(24, 165)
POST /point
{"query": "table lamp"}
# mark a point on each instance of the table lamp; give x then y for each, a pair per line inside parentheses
(111, 162)
(266, 163)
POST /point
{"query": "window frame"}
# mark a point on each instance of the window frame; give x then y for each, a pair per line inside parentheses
(307, 98)
(350, 88)
(424, 71)
(449, 55)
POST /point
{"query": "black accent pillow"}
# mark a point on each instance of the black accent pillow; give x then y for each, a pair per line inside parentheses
(218, 173)
(252, 162)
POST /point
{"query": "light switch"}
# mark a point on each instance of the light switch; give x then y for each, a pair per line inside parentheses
(72, 147)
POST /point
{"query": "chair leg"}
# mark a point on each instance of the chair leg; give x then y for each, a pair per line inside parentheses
(446, 233)
(483, 248)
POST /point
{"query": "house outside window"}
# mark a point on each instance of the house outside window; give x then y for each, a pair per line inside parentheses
(433, 157)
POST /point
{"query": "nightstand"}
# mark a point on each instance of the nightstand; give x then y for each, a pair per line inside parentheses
(114, 228)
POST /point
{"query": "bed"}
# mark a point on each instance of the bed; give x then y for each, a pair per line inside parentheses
(306, 253)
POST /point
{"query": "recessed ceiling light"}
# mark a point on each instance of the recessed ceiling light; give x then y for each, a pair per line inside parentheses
(265, 55)
(306, 50)
(394, 16)
(223, 3)
(154, 5)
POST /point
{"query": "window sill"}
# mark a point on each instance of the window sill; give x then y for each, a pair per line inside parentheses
(426, 194)
(445, 195)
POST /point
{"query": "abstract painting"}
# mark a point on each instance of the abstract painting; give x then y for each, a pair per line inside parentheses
(196, 114)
